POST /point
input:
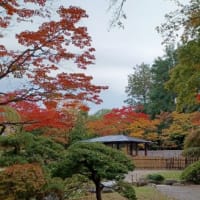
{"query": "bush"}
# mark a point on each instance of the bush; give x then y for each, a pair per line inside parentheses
(54, 189)
(192, 173)
(126, 190)
(155, 177)
(21, 181)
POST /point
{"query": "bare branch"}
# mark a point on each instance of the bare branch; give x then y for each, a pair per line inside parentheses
(118, 14)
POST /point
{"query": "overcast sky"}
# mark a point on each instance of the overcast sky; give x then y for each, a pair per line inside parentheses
(117, 50)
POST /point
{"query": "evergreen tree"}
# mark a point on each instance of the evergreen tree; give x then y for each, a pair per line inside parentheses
(139, 84)
(95, 161)
(161, 99)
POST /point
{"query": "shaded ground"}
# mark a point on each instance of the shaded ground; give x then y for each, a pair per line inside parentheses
(185, 192)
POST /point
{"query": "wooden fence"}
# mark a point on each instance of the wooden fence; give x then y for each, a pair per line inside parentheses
(151, 162)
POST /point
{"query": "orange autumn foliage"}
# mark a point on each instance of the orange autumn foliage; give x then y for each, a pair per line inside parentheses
(181, 124)
(179, 127)
(144, 129)
(117, 121)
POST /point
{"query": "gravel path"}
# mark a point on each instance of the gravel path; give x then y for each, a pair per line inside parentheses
(186, 192)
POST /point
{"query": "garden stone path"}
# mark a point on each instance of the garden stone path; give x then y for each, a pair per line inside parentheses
(185, 192)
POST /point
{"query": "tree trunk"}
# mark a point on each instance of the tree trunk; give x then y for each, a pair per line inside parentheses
(98, 190)
(16, 149)
(3, 128)
(97, 181)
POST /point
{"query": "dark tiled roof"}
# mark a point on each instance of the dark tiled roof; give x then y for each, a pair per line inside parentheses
(117, 138)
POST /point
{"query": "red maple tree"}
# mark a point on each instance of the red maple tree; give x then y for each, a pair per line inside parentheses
(38, 57)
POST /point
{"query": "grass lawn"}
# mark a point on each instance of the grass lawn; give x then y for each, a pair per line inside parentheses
(112, 196)
(149, 193)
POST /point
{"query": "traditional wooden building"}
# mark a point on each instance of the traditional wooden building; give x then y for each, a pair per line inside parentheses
(118, 141)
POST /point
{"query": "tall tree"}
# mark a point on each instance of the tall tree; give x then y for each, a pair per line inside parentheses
(161, 99)
(184, 77)
(39, 56)
(139, 84)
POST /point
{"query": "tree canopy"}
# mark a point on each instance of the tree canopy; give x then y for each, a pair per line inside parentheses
(28, 148)
(95, 161)
(117, 121)
(184, 77)
(40, 57)
(161, 99)
(184, 22)
(139, 84)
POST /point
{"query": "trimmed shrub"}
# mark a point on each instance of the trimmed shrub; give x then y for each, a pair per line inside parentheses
(155, 177)
(126, 190)
(192, 173)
